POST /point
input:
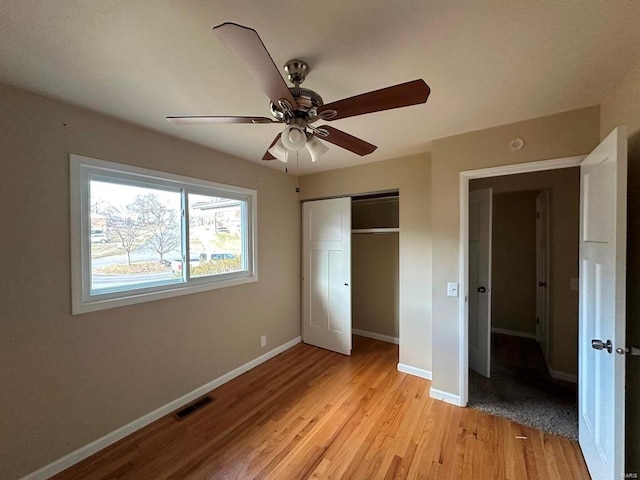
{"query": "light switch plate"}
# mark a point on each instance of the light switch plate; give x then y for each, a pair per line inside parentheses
(452, 289)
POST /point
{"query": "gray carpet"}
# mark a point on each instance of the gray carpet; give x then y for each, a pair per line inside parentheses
(523, 392)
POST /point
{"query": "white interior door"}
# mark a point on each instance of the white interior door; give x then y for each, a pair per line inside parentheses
(603, 197)
(326, 271)
(480, 207)
(542, 272)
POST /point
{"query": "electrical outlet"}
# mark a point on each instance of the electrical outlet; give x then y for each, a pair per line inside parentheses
(263, 341)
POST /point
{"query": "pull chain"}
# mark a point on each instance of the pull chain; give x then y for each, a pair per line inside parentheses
(286, 165)
(297, 177)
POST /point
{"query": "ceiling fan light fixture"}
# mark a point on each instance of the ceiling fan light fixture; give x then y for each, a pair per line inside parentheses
(316, 148)
(293, 138)
(279, 151)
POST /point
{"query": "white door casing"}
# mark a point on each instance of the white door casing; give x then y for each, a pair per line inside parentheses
(326, 270)
(602, 306)
(542, 272)
(480, 215)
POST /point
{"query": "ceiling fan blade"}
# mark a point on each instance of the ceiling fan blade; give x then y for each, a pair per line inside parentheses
(248, 48)
(346, 141)
(193, 120)
(403, 95)
(267, 155)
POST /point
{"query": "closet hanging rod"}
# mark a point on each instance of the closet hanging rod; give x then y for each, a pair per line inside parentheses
(375, 231)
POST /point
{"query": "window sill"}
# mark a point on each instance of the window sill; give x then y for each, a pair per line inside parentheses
(96, 304)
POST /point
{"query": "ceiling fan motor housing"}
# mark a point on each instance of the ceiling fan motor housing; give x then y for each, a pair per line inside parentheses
(308, 103)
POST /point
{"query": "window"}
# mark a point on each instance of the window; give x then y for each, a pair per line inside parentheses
(140, 235)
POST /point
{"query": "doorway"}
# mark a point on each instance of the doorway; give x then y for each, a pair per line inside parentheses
(532, 253)
(375, 266)
(465, 178)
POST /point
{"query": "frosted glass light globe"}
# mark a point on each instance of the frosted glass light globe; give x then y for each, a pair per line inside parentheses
(294, 138)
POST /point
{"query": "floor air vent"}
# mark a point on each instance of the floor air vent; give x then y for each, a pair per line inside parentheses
(192, 407)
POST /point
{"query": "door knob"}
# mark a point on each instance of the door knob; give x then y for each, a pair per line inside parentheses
(542, 284)
(482, 289)
(600, 345)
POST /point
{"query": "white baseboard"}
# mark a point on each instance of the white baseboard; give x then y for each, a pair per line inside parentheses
(418, 372)
(376, 336)
(558, 375)
(566, 377)
(103, 442)
(445, 397)
(513, 333)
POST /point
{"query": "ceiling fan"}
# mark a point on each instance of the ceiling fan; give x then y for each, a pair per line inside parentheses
(298, 108)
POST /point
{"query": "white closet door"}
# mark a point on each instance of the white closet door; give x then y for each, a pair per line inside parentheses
(326, 284)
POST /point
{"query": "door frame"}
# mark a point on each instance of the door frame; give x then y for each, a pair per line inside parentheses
(465, 177)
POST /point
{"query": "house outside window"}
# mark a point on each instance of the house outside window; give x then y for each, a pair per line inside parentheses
(139, 235)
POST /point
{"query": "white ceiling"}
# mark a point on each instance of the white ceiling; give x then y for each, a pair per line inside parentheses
(487, 62)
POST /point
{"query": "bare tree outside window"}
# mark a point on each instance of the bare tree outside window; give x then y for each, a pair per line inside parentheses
(161, 224)
(127, 231)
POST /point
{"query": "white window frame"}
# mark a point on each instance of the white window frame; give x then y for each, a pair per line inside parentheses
(83, 169)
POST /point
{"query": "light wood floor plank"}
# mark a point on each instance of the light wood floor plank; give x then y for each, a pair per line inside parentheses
(313, 414)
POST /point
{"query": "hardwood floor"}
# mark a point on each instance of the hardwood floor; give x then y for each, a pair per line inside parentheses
(311, 414)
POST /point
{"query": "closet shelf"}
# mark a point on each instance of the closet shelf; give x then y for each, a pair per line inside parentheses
(375, 230)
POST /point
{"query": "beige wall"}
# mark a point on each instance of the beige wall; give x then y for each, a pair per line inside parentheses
(67, 380)
(564, 223)
(562, 135)
(622, 107)
(374, 280)
(513, 262)
(412, 177)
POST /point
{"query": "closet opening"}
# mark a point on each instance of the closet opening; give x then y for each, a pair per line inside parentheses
(375, 268)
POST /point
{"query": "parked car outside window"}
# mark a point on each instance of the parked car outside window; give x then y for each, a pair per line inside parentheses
(204, 257)
(176, 265)
(98, 236)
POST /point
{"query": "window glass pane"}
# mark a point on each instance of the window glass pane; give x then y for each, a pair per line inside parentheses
(215, 235)
(135, 235)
